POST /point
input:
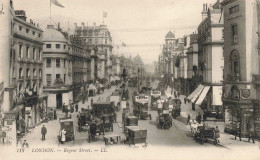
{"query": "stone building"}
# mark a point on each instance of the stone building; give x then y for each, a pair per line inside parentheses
(98, 37)
(241, 66)
(211, 61)
(23, 104)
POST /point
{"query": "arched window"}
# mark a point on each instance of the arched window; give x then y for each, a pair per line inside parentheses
(235, 93)
(235, 63)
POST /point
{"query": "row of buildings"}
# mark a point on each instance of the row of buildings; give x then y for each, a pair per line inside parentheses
(43, 69)
(217, 67)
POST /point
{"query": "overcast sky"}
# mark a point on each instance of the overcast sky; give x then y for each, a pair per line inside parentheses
(140, 24)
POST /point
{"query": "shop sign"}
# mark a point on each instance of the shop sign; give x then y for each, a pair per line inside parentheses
(9, 117)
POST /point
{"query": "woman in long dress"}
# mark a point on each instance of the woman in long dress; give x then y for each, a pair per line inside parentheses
(63, 135)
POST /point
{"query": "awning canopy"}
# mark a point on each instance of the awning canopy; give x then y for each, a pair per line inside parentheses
(203, 95)
(196, 95)
(92, 87)
(193, 93)
(217, 94)
(15, 110)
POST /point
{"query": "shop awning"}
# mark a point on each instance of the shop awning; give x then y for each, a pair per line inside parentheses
(196, 95)
(92, 87)
(217, 94)
(194, 92)
(203, 95)
(15, 110)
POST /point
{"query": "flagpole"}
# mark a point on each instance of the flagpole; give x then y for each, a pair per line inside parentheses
(50, 12)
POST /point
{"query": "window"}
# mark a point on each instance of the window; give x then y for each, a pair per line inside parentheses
(105, 41)
(27, 73)
(223, 33)
(40, 56)
(20, 87)
(48, 79)
(57, 46)
(20, 73)
(57, 76)
(39, 35)
(48, 45)
(34, 73)
(64, 78)
(57, 62)
(20, 28)
(27, 52)
(234, 9)
(48, 62)
(33, 33)
(64, 47)
(235, 64)
(40, 73)
(90, 41)
(20, 51)
(27, 30)
(96, 41)
(64, 63)
(34, 53)
(234, 34)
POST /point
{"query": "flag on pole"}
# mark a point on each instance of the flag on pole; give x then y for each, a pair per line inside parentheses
(104, 14)
(123, 44)
(57, 3)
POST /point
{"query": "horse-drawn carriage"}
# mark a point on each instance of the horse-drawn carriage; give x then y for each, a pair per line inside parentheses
(130, 121)
(175, 107)
(84, 119)
(136, 135)
(164, 120)
(66, 124)
(105, 112)
(205, 134)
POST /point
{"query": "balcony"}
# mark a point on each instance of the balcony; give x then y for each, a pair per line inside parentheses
(256, 79)
(233, 78)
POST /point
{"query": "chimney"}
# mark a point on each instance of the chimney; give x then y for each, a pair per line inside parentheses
(21, 14)
(204, 12)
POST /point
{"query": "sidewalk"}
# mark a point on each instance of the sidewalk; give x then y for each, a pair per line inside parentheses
(226, 140)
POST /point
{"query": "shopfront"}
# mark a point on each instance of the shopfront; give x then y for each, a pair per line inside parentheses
(241, 116)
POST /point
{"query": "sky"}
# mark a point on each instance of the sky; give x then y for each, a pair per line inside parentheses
(140, 24)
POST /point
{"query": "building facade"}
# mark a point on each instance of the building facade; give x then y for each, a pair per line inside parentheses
(23, 103)
(241, 63)
(210, 61)
(98, 37)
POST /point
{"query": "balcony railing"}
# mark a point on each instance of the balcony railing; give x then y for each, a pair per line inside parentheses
(233, 77)
(256, 78)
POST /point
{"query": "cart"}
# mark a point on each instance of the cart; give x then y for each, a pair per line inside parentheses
(155, 95)
(164, 120)
(112, 139)
(67, 124)
(205, 134)
(136, 135)
(130, 121)
(95, 128)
